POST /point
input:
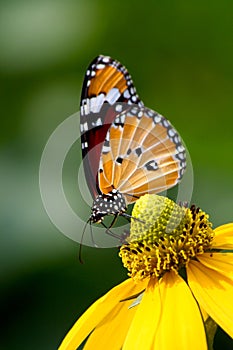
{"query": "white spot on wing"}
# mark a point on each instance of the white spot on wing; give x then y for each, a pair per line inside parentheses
(106, 59)
(85, 126)
(100, 66)
(171, 132)
(181, 156)
(132, 90)
(140, 114)
(86, 109)
(99, 102)
(126, 94)
(106, 149)
(180, 148)
(84, 145)
(107, 136)
(97, 123)
(118, 108)
(151, 113)
(96, 103)
(157, 118)
(112, 96)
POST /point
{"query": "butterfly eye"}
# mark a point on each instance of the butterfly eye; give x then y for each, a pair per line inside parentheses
(128, 150)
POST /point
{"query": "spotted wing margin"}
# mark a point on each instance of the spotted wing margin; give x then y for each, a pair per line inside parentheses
(142, 153)
(107, 87)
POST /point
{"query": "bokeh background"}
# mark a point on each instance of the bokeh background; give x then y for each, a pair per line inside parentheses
(180, 55)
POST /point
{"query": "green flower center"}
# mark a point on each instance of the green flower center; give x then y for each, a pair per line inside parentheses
(163, 237)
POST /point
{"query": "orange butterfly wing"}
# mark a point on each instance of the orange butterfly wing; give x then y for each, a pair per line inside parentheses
(142, 153)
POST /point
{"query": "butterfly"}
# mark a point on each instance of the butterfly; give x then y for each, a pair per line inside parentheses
(128, 150)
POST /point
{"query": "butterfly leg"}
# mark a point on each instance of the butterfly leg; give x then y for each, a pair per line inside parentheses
(108, 231)
(113, 221)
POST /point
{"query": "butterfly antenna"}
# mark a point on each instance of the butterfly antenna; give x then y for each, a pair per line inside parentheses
(81, 243)
(92, 236)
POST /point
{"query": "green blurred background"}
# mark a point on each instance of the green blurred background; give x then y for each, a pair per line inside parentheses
(180, 56)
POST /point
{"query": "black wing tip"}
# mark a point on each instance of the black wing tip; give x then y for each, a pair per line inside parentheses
(99, 58)
(95, 61)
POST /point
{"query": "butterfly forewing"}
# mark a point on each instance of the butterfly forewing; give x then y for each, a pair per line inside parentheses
(106, 83)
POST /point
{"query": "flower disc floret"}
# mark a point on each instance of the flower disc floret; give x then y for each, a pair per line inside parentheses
(164, 236)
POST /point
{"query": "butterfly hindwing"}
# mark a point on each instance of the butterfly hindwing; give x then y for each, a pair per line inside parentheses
(142, 153)
(106, 83)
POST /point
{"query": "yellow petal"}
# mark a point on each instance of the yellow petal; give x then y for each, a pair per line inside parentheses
(111, 332)
(204, 313)
(223, 237)
(221, 262)
(98, 311)
(181, 326)
(143, 327)
(214, 292)
(167, 318)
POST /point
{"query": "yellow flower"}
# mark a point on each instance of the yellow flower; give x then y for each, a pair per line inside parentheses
(181, 271)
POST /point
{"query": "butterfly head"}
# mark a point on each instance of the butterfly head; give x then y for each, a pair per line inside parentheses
(112, 203)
